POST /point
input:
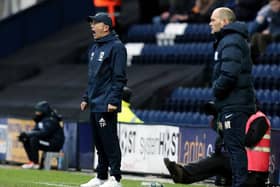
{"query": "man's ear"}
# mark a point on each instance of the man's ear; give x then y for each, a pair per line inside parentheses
(106, 28)
(225, 22)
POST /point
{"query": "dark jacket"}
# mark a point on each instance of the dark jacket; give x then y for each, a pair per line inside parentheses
(106, 72)
(49, 129)
(231, 80)
(246, 10)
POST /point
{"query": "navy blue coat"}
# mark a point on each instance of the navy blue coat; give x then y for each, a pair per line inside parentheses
(106, 73)
(231, 80)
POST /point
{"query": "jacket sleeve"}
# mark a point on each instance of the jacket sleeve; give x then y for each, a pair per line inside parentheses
(49, 127)
(256, 132)
(230, 69)
(85, 96)
(119, 57)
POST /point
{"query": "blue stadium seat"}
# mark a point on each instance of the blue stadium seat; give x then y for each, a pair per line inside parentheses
(275, 97)
(275, 122)
(267, 96)
(272, 48)
(204, 120)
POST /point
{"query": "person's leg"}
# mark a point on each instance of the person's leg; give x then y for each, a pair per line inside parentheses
(103, 164)
(256, 179)
(110, 142)
(234, 138)
(31, 148)
(199, 170)
(208, 167)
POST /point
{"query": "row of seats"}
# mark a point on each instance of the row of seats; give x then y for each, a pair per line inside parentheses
(205, 94)
(196, 54)
(269, 83)
(192, 37)
(273, 48)
(261, 70)
(144, 33)
(176, 105)
(268, 96)
(185, 118)
(172, 59)
(192, 33)
(167, 117)
(268, 59)
(147, 33)
(266, 70)
(189, 105)
(178, 49)
(181, 93)
(200, 53)
(198, 48)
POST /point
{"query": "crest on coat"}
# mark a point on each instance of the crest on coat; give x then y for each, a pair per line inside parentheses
(216, 55)
(91, 56)
(102, 122)
(101, 56)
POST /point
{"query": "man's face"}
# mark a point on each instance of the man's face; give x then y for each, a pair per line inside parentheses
(216, 23)
(99, 29)
(38, 113)
(275, 5)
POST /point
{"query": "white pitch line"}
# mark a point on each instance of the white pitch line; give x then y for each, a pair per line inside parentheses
(54, 184)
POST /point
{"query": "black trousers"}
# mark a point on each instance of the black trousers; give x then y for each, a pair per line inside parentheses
(34, 144)
(106, 141)
(256, 179)
(219, 165)
(216, 165)
(234, 138)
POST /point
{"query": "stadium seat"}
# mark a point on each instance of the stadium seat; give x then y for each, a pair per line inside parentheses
(275, 122)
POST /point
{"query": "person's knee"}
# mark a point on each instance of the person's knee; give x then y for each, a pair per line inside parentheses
(34, 141)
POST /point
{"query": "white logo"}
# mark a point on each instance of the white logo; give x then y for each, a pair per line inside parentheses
(91, 56)
(228, 116)
(102, 122)
(227, 125)
(40, 125)
(216, 55)
(101, 56)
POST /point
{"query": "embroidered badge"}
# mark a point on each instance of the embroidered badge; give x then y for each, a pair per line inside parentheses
(102, 122)
(91, 56)
(216, 55)
(101, 56)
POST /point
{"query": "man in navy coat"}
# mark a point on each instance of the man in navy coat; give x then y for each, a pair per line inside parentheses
(107, 77)
(232, 86)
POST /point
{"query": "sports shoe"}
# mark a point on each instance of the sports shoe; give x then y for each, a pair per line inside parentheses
(175, 170)
(112, 182)
(30, 165)
(95, 182)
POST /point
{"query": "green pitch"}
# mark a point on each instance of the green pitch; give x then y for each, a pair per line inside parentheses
(17, 177)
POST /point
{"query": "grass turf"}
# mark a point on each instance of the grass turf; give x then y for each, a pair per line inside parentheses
(17, 177)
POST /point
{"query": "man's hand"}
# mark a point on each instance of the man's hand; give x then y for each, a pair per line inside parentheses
(111, 108)
(83, 105)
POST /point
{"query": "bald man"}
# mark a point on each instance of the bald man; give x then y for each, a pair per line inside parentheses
(232, 86)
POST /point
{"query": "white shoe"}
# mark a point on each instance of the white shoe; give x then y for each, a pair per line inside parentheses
(95, 182)
(30, 165)
(112, 182)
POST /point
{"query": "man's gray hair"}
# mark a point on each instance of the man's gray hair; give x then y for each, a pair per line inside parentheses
(226, 13)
